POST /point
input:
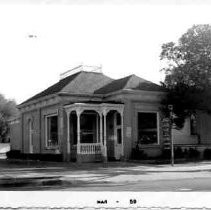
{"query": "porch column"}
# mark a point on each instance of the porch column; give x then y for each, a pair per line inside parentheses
(101, 132)
(122, 133)
(78, 130)
(105, 136)
(68, 136)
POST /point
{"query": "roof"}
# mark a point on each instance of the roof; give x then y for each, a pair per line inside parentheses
(95, 83)
(130, 82)
(54, 88)
(113, 86)
(80, 82)
(87, 83)
(149, 86)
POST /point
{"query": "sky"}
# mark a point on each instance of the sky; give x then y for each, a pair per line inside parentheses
(38, 42)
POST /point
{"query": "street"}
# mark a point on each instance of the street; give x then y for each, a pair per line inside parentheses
(182, 185)
(113, 176)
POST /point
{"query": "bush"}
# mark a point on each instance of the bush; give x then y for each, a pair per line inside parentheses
(190, 153)
(13, 154)
(179, 153)
(193, 153)
(166, 154)
(138, 154)
(186, 152)
(16, 154)
(207, 154)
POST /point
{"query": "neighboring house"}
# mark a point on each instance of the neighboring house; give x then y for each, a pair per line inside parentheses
(87, 116)
(195, 134)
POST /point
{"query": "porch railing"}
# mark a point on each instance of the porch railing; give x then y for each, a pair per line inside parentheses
(90, 148)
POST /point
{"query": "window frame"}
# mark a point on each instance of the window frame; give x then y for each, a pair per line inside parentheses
(46, 130)
(158, 127)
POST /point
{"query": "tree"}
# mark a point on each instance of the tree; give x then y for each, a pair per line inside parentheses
(188, 73)
(7, 110)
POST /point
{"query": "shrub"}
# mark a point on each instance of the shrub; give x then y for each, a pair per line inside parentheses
(138, 154)
(16, 154)
(193, 153)
(207, 154)
(186, 152)
(13, 154)
(179, 153)
(166, 154)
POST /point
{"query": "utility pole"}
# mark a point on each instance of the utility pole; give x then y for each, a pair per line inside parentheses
(170, 108)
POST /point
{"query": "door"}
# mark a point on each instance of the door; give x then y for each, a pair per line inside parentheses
(118, 136)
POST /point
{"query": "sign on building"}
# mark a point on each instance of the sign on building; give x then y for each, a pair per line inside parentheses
(166, 129)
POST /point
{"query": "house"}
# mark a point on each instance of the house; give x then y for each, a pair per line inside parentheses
(87, 116)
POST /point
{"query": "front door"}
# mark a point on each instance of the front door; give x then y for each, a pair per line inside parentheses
(118, 136)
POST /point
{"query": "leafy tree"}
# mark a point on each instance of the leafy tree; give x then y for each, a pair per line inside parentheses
(7, 110)
(188, 72)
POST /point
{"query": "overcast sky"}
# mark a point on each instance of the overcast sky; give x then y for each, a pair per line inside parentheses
(124, 39)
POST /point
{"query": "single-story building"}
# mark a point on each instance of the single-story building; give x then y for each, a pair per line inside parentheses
(88, 116)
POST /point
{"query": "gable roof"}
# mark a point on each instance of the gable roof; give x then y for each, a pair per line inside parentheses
(113, 86)
(130, 82)
(149, 86)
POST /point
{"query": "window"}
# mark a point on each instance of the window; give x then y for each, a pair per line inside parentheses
(118, 119)
(52, 131)
(88, 128)
(118, 128)
(193, 128)
(119, 135)
(147, 128)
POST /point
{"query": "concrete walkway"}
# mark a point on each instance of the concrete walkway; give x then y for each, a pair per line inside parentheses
(20, 174)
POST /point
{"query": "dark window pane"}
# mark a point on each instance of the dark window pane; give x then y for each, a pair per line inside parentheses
(52, 131)
(118, 119)
(119, 136)
(147, 128)
(147, 120)
(88, 128)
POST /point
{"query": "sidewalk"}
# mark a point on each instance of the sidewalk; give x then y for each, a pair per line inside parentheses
(17, 174)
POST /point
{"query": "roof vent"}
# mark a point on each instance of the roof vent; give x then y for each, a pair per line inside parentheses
(96, 69)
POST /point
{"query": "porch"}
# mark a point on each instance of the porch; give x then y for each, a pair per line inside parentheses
(94, 132)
